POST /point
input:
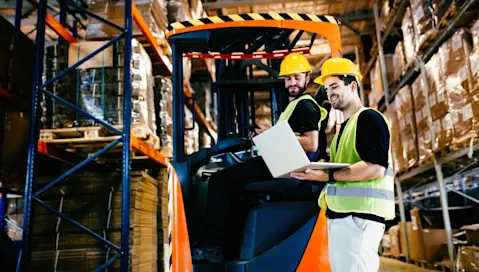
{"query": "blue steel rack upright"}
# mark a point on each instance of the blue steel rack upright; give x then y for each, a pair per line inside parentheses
(37, 90)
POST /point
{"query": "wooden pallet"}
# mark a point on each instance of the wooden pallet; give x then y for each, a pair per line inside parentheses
(94, 136)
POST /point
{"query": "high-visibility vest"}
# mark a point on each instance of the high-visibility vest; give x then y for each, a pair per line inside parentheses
(286, 114)
(364, 196)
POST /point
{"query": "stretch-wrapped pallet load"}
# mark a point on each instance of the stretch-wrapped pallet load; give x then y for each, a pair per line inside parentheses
(409, 42)
(423, 18)
(399, 61)
(97, 86)
(163, 89)
(152, 11)
(94, 200)
(407, 127)
(192, 133)
(463, 104)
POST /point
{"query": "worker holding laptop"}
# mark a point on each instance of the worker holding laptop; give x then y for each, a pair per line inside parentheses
(359, 198)
(304, 116)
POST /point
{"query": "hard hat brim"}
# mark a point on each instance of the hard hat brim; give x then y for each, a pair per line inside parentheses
(320, 80)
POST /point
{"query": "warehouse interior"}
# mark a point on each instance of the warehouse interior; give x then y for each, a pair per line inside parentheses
(75, 131)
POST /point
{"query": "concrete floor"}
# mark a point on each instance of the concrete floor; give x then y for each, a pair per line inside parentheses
(392, 265)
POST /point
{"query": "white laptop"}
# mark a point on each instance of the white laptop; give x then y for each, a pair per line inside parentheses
(283, 154)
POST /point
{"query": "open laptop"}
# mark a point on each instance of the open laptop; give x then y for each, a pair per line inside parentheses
(283, 154)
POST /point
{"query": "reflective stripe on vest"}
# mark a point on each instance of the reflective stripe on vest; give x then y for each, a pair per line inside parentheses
(286, 114)
(363, 196)
(360, 192)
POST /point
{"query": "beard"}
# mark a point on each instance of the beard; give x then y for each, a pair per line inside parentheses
(296, 94)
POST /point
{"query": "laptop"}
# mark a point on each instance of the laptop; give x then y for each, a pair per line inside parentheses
(283, 154)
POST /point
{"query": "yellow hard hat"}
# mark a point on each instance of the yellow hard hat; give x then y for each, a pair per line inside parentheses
(338, 66)
(294, 63)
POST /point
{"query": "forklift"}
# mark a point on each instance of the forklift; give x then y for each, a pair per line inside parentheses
(284, 229)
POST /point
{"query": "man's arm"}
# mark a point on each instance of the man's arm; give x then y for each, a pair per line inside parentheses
(309, 141)
(305, 119)
(357, 172)
(372, 145)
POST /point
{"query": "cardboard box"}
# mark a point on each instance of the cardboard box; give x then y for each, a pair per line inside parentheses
(472, 233)
(394, 239)
(468, 259)
(415, 242)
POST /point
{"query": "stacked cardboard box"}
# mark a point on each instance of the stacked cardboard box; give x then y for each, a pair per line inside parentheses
(474, 60)
(399, 61)
(463, 106)
(409, 40)
(424, 136)
(152, 11)
(97, 86)
(396, 143)
(58, 245)
(427, 245)
(438, 103)
(423, 18)
(407, 127)
(377, 89)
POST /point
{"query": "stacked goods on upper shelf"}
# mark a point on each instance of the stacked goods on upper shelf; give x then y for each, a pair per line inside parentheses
(423, 18)
(463, 106)
(407, 128)
(153, 11)
(94, 200)
(424, 137)
(97, 86)
(438, 104)
(399, 61)
(17, 60)
(408, 38)
(474, 59)
(164, 100)
(191, 133)
(377, 90)
(396, 143)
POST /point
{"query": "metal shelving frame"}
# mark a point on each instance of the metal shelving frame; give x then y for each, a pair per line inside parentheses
(34, 146)
(388, 97)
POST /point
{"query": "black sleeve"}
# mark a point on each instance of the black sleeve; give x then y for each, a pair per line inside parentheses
(305, 117)
(372, 138)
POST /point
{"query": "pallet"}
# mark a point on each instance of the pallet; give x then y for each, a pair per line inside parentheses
(87, 137)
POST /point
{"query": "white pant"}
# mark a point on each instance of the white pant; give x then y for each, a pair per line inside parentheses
(353, 244)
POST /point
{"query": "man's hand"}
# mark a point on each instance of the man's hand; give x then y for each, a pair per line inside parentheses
(314, 175)
(258, 131)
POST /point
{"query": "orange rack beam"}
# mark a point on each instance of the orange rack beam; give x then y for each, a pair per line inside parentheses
(56, 26)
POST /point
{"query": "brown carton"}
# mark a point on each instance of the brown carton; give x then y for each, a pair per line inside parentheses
(395, 244)
(468, 259)
(472, 233)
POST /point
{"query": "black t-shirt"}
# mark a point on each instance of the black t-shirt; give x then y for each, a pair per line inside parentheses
(372, 144)
(305, 117)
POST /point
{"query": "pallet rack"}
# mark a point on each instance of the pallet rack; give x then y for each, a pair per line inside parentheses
(124, 135)
(432, 170)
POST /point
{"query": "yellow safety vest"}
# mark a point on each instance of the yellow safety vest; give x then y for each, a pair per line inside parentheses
(364, 196)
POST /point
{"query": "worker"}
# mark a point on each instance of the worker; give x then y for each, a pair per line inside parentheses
(303, 115)
(357, 199)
